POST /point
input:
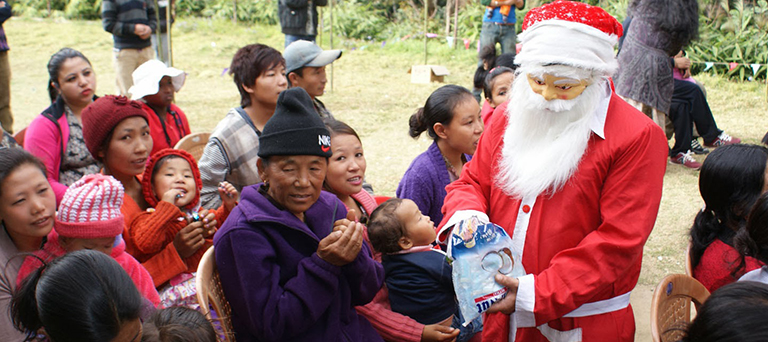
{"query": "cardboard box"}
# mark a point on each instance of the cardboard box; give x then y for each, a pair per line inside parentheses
(428, 73)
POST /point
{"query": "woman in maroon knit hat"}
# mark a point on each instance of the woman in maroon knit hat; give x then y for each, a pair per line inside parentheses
(117, 133)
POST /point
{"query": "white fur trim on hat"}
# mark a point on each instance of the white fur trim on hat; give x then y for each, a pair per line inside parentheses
(146, 78)
(568, 43)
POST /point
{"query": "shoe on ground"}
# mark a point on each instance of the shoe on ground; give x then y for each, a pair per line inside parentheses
(722, 140)
(696, 148)
(685, 159)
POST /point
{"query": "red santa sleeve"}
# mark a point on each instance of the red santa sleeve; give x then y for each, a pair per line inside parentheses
(629, 203)
(468, 195)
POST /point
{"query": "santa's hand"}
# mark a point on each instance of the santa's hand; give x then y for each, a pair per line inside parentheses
(469, 226)
(507, 304)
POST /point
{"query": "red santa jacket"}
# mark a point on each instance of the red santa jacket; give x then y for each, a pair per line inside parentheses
(583, 244)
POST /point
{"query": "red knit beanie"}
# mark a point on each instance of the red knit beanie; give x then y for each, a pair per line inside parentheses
(101, 116)
(90, 209)
(146, 179)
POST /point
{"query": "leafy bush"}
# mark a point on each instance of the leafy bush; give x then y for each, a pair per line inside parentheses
(735, 38)
(39, 8)
(83, 9)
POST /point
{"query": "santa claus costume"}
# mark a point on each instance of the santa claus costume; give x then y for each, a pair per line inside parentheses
(575, 179)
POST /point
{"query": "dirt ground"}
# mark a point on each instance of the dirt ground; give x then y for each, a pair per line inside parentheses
(641, 304)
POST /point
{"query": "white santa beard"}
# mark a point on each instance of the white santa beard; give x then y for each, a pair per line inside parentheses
(544, 140)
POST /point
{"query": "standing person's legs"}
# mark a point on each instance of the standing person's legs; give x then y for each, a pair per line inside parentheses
(126, 61)
(488, 36)
(508, 39)
(290, 38)
(6, 117)
(166, 48)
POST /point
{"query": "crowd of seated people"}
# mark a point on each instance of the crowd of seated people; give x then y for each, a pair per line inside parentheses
(279, 194)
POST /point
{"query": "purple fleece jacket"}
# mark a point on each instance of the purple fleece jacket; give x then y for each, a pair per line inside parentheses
(424, 182)
(278, 287)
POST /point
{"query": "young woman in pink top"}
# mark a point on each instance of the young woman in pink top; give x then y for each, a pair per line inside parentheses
(56, 135)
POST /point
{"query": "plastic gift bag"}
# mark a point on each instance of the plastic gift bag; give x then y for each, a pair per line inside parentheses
(480, 251)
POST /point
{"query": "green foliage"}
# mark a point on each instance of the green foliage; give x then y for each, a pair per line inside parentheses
(357, 19)
(40, 8)
(190, 8)
(83, 9)
(735, 38)
(730, 30)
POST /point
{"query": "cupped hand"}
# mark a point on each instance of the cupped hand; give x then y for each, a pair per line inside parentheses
(342, 245)
(208, 217)
(438, 333)
(189, 239)
(344, 223)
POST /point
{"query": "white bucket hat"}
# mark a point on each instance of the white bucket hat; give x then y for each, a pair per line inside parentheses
(146, 78)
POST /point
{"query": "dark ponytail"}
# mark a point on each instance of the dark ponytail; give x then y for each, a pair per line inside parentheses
(82, 296)
(24, 305)
(54, 65)
(752, 241)
(438, 109)
(704, 230)
(731, 180)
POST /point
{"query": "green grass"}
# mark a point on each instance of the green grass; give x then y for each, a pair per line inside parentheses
(371, 91)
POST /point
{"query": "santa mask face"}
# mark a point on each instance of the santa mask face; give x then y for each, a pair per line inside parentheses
(545, 139)
(552, 87)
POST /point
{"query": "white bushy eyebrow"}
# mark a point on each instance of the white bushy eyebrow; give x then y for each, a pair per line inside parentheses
(567, 81)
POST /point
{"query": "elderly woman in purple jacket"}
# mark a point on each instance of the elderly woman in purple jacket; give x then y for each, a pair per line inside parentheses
(292, 266)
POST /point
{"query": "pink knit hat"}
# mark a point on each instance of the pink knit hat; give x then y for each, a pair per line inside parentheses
(90, 208)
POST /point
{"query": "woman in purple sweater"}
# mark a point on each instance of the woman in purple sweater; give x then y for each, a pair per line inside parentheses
(292, 267)
(451, 117)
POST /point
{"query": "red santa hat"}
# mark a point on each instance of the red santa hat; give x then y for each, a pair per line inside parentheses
(90, 209)
(570, 33)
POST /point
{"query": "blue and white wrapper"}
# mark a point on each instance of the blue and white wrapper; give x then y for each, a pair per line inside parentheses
(479, 252)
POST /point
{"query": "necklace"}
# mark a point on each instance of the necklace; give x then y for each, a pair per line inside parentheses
(450, 167)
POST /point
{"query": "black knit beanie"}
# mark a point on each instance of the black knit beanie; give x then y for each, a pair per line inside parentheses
(295, 128)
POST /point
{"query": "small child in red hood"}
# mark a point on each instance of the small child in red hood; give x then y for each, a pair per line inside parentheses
(171, 185)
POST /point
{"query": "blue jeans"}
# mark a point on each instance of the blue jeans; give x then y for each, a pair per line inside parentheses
(491, 34)
(290, 38)
(466, 333)
(505, 35)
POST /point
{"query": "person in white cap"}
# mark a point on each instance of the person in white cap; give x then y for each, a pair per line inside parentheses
(305, 67)
(154, 86)
(574, 174)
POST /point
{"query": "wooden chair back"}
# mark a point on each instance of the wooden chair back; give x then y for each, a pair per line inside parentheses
(194, 144)
(210, 296)
(671, 306)
(688, 266)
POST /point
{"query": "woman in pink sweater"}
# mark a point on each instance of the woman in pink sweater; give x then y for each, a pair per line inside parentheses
(56, 135)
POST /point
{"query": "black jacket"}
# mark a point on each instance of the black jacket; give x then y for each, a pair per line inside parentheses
(299, 17)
